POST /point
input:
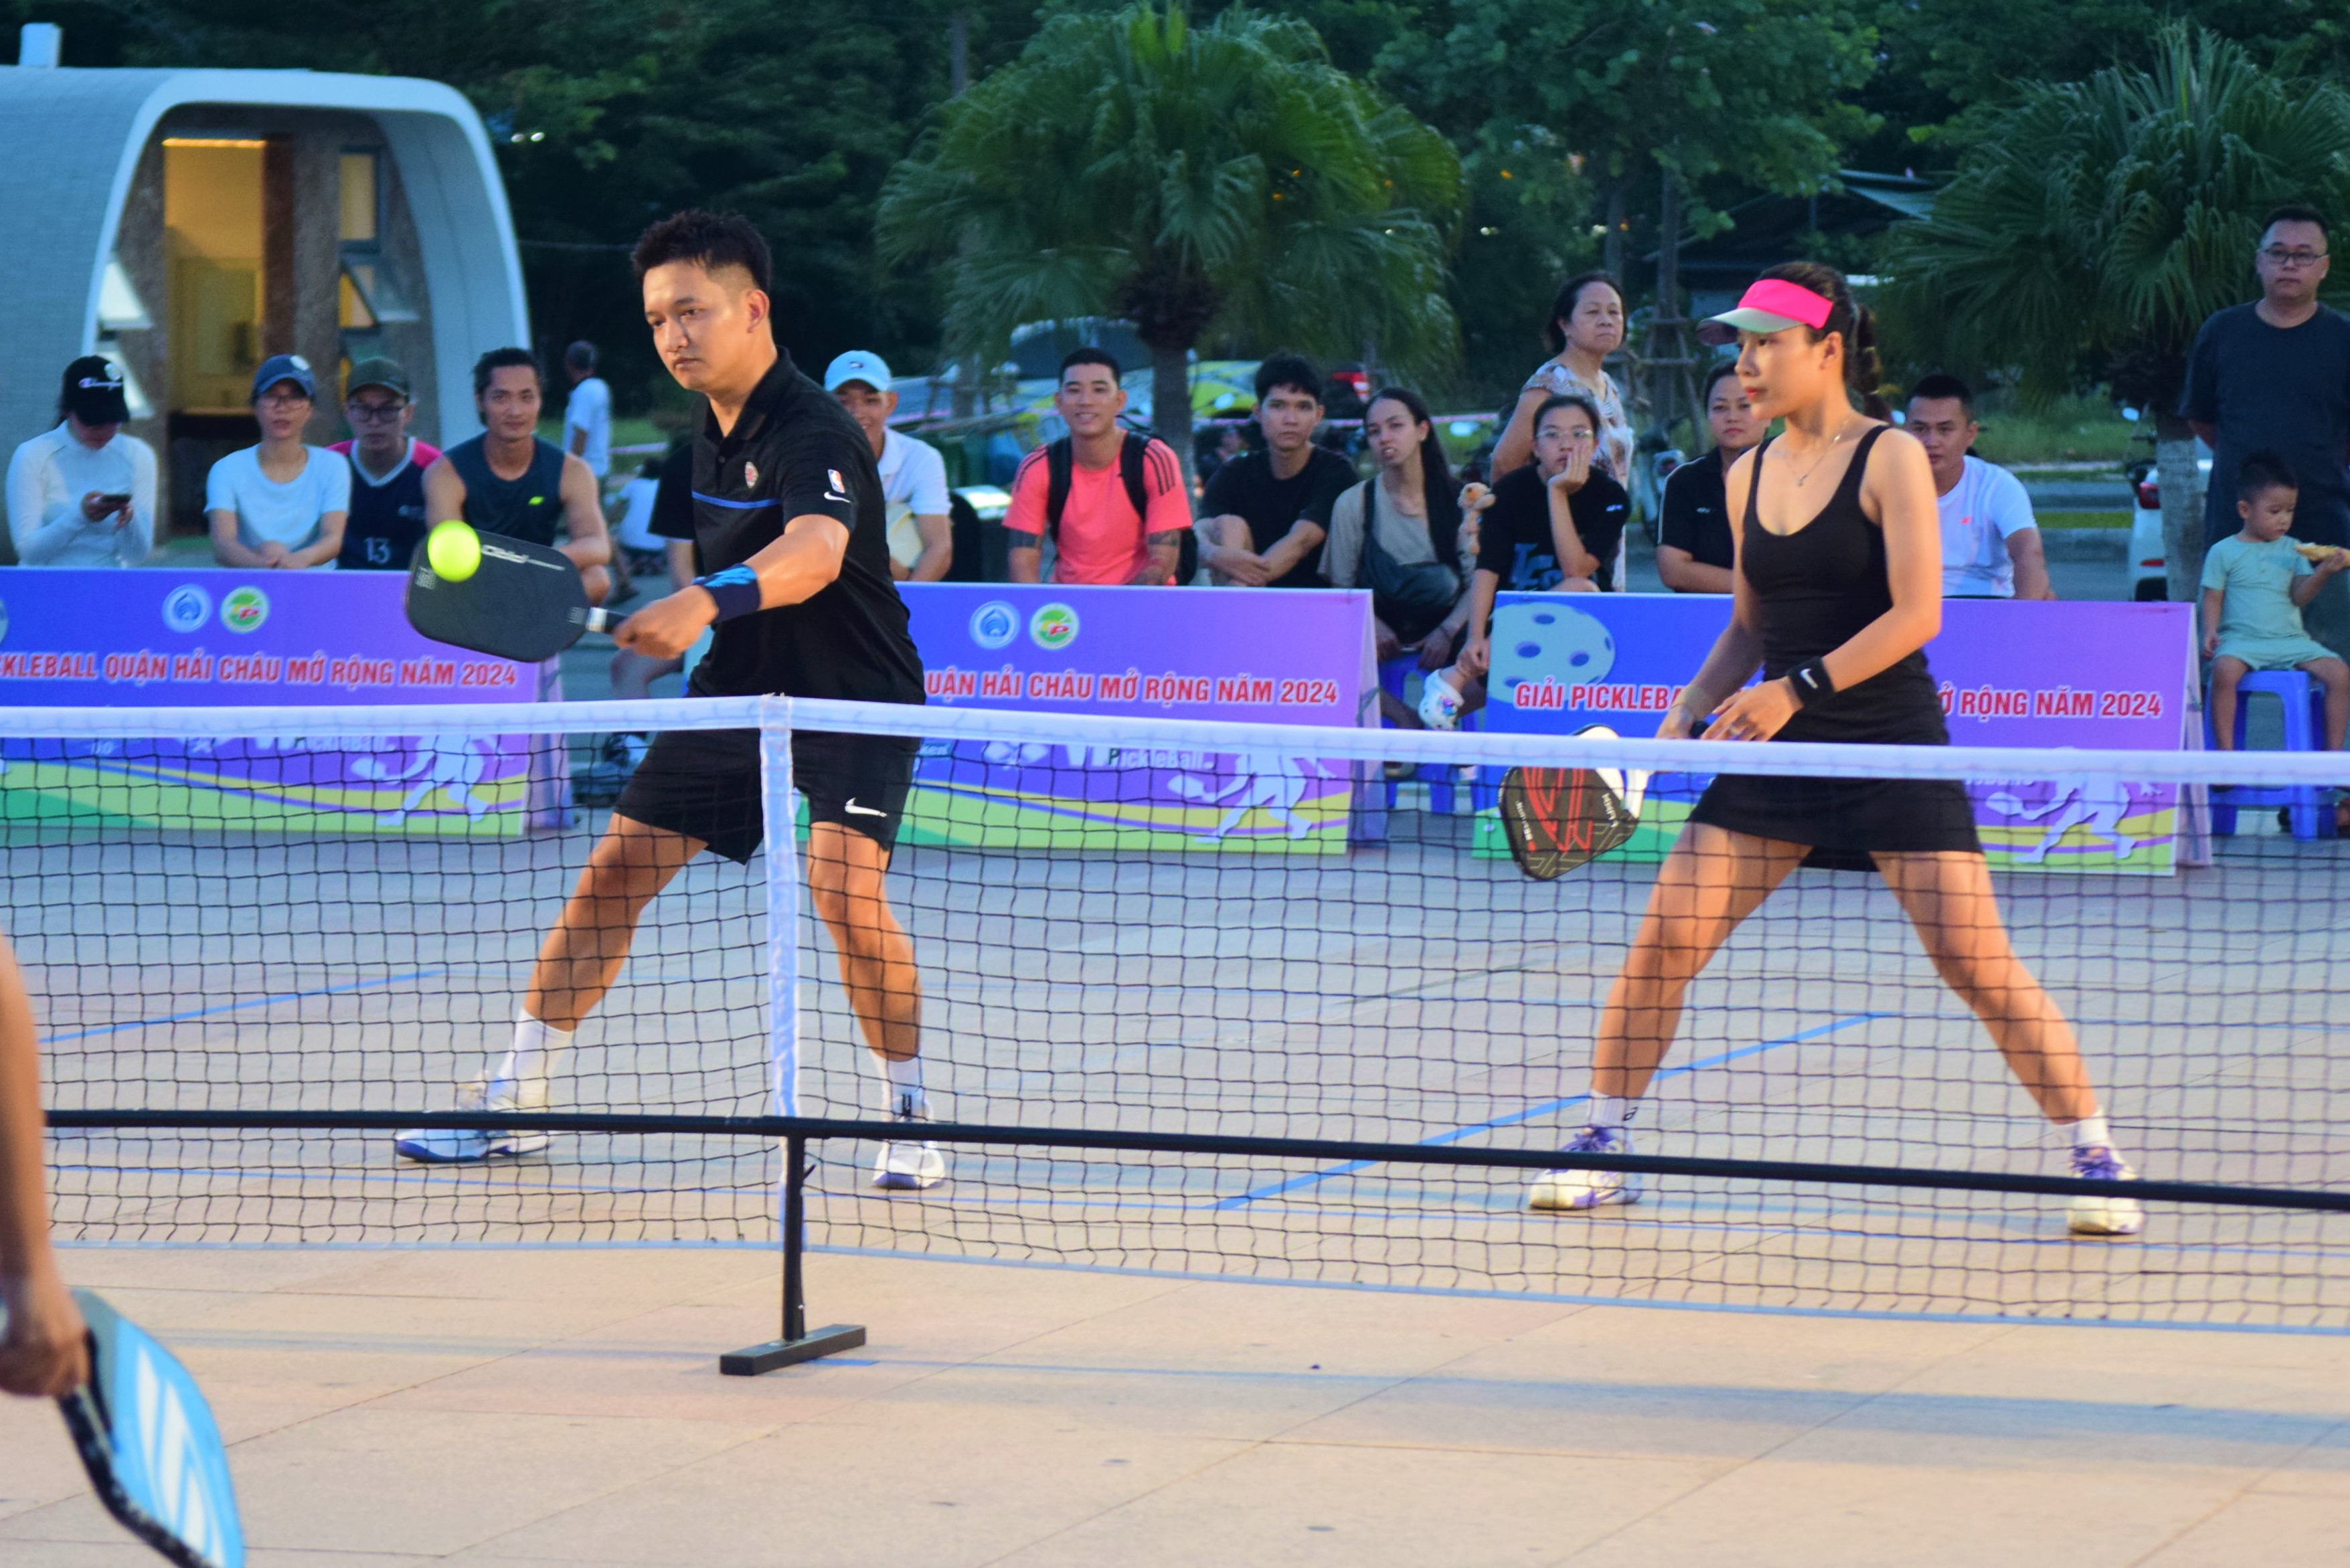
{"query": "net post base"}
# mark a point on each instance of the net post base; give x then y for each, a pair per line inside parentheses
(752, 1360)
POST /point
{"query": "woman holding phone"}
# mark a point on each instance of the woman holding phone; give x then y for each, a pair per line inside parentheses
(83, 494)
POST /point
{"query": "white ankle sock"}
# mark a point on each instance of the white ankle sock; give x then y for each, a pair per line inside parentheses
(1612, 1111)
(905, 1085)
(537, 1050)
(2091, 1132)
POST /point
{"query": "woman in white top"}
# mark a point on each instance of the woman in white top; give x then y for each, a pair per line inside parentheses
(1586, 325)
(83, 494)
(280, 503)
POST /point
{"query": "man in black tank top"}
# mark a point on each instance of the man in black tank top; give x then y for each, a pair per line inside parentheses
(507, 481)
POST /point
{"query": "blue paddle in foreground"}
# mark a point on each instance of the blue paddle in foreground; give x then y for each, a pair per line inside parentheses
(148, 1439)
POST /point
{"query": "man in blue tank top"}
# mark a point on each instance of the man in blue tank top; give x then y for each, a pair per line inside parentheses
(508, 481)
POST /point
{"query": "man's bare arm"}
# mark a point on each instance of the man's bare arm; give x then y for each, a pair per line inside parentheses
(43, 1344)
(1165, 547)
(937, 532)
(2029, 558)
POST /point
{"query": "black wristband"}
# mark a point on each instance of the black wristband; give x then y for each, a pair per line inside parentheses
(1811, 681)
(737, 590)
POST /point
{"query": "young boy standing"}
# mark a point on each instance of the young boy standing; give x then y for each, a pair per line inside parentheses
(2254, 584)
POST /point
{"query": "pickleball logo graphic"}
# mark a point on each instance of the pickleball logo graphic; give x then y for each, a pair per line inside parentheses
(187, 607)
(995, 623)
(1052, 628)
(245, 609)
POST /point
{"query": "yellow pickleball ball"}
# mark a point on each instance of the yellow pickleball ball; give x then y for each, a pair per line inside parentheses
(454, 550)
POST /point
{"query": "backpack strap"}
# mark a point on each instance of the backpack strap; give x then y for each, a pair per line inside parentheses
(1060, 456)
(1130, 455)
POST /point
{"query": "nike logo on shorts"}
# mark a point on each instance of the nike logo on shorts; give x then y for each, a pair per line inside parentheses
(856, 810)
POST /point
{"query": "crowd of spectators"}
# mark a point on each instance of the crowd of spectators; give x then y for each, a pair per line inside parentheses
(1546, 508)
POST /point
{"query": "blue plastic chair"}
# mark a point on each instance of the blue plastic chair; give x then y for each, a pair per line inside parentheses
(2311, 811)
(1441, 781)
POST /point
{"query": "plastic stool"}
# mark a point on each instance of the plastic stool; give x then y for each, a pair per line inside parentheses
(2312, 811)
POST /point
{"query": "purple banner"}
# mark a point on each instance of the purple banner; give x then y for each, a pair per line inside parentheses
(2117, 676)
(1268, 656)
(168, 638)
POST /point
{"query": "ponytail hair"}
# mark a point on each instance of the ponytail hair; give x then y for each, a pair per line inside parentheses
(1863, 371)
(1442, 495)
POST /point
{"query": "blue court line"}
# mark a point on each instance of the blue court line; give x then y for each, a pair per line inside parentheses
(1546, 1108)
(240, 1006)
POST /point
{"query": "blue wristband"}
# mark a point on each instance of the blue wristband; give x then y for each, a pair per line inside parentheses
(737, 590)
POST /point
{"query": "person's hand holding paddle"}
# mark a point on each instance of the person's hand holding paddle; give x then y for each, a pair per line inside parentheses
(666, 627)
(44, 1345)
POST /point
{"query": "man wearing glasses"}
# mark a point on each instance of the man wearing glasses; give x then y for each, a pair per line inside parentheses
(388, 465)
(2276, 373)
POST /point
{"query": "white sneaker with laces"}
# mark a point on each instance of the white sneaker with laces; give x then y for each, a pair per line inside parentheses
(458, 1146)
(1574, 1189)
(909, 1166)
(1440, 704)
(2098, 1215)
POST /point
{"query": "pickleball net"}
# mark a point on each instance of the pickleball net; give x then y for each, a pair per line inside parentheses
(1143, 928)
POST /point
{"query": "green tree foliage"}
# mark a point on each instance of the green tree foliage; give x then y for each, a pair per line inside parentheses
(2097, 224)
(1592, 104)
(1219, 180)
(1950, 64)
(2090, 233)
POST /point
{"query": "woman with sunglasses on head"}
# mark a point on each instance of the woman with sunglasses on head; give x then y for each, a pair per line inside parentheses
(1837, 591)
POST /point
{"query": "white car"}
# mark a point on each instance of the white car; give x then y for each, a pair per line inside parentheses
(2148, 572)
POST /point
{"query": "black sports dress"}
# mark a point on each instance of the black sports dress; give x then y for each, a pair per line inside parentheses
(1815, 588)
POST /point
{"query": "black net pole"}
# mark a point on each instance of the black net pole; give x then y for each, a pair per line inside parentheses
(798, 1345)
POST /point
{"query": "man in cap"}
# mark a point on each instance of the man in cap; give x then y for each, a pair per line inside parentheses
(83, 494)
(281, 503)
(388, 465)
(913, 474)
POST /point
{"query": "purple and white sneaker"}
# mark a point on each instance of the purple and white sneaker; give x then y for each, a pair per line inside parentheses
(1572, 1189)
(2097, 1214)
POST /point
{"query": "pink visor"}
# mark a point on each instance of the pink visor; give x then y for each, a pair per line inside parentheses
(1769, 304)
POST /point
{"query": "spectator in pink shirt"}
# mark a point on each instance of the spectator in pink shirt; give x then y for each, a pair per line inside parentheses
(1112, 501)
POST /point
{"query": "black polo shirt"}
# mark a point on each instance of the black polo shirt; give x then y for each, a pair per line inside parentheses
(795, 452)
(1697, 512)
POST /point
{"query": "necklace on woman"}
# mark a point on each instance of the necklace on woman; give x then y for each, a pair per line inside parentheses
(1802, 478)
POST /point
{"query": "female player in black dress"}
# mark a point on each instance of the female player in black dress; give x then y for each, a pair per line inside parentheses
(1838, 589)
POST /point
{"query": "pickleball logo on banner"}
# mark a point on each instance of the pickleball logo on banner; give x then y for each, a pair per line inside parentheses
(245, 609)
(187, 607)
(1052, 628)
(995, 623)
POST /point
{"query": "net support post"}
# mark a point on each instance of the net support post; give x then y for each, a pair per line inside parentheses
(798, 1345)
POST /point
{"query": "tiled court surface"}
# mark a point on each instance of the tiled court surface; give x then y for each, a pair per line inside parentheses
(400, 1407)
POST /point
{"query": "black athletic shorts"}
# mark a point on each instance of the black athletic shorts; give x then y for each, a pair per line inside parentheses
(705, 784)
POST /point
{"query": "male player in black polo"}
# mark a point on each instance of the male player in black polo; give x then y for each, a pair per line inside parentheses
(791, 531)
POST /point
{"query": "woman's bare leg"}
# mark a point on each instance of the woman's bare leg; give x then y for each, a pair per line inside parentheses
(1710, 883)
(1948, 897)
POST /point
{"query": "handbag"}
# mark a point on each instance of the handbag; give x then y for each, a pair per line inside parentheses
(1412, 600)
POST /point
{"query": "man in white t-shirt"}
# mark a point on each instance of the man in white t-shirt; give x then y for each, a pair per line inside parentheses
(913, 473)
(282, 503)
(1990, 542)
(587, 417)
(83, 494)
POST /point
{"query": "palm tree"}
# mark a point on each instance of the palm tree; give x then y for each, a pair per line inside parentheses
(1224, 178)
(2097, 224)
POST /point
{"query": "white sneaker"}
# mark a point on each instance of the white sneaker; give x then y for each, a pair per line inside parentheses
(909, 1166)
(1440, 704)
(1571, 1189)
(464, 1146)
(2097, 1214)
